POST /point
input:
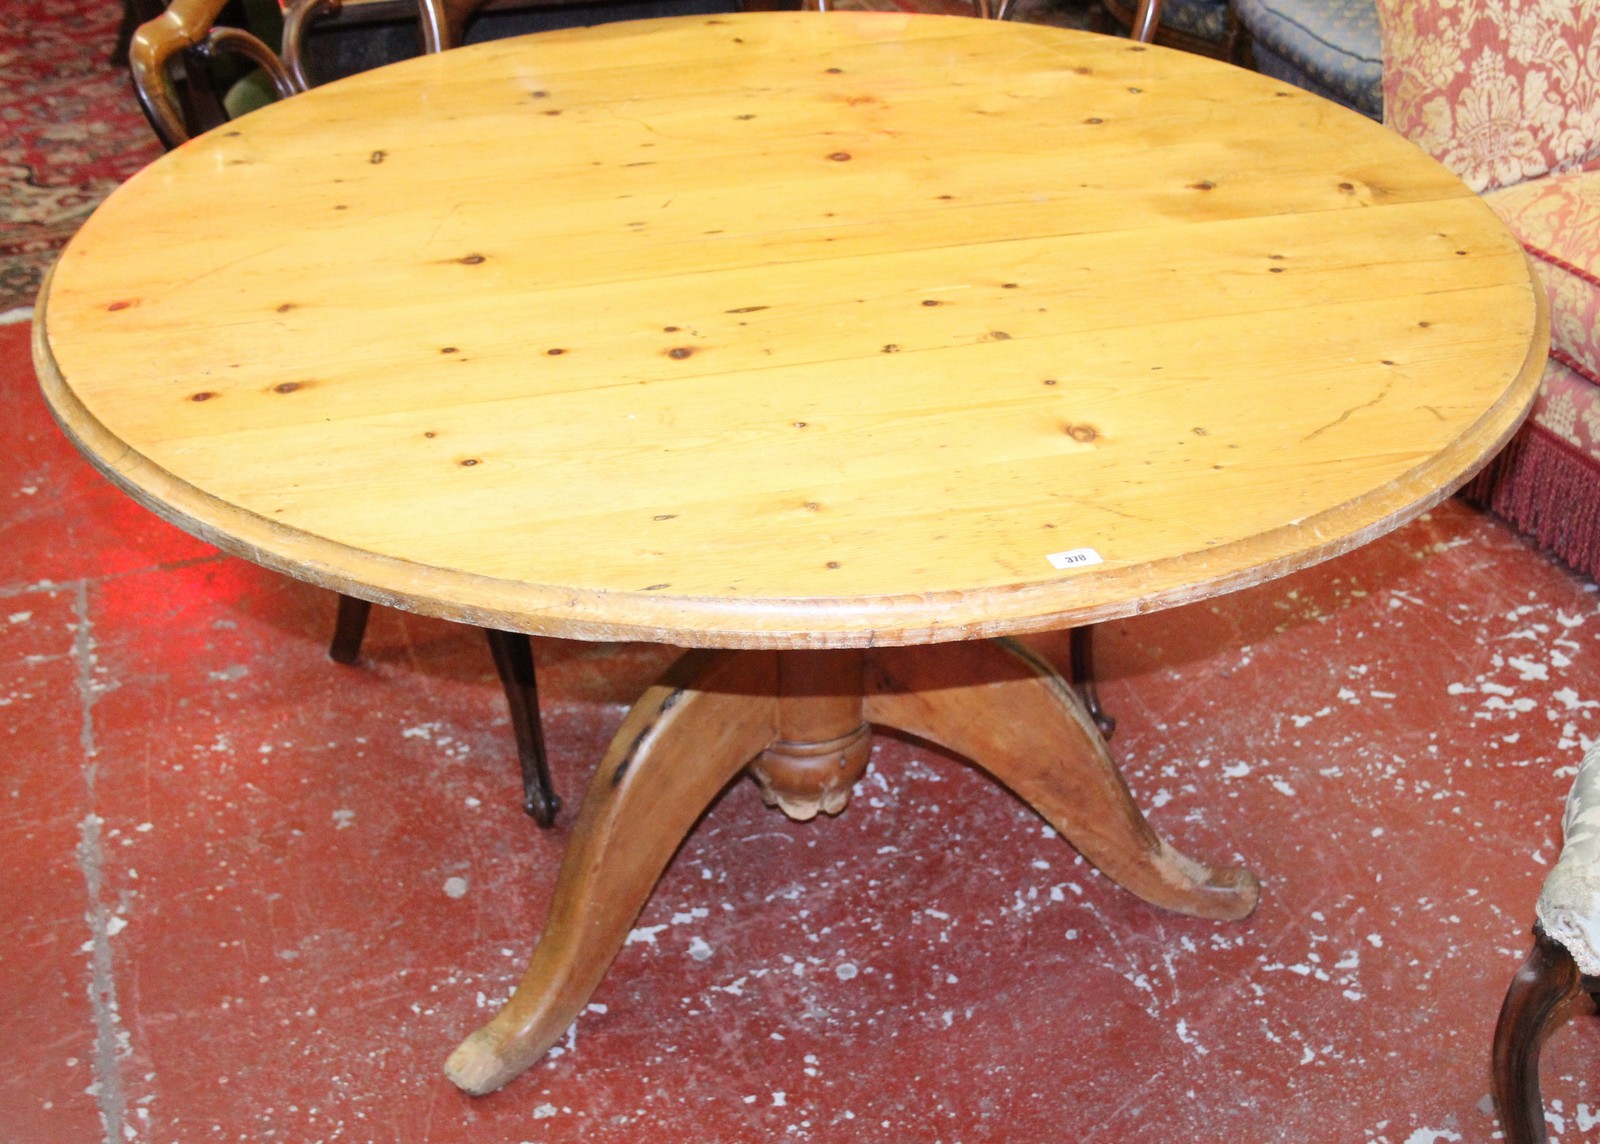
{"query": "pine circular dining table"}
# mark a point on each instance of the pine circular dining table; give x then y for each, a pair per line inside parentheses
(831, 347)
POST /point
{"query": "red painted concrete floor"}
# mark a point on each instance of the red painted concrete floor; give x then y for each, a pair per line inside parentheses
(251, 895)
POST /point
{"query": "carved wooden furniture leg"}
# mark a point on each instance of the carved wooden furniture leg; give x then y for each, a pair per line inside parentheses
(1537, 999)
(349, 628)
(513, 659)
(1083, 679)
(680, 745)
(1014, 716)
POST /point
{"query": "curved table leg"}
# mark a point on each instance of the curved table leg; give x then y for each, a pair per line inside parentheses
(710, 714)
(1535, 1002)
(1015, 717)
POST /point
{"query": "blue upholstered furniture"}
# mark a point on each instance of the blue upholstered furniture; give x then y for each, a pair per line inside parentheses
(1202, 19)
(1331, 47)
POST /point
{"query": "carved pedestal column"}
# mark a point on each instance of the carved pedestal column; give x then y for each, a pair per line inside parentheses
(823, 737)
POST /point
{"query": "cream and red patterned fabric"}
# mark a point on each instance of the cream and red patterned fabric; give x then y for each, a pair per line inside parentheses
(1569, 903)
(1550, 485)
(1499, 90)
(1506, 93)
(1558, 221)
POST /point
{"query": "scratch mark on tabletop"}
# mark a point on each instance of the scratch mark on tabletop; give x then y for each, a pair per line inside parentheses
(450, 214)
(1346, 415)
(226, 266)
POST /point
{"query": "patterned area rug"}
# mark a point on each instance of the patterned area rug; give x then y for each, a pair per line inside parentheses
(70, 131)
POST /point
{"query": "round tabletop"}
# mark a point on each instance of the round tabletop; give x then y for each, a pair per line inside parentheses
(792, 330)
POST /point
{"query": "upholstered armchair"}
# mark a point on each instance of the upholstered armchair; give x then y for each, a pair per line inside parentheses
(1331, 47)
(1506, 93)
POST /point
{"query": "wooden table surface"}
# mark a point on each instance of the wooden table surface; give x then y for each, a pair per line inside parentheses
(666, 331)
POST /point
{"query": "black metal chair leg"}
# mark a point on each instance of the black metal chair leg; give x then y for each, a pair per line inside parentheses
(513, 659)
(1533, 1006)
(348, 629)
(1083, 679)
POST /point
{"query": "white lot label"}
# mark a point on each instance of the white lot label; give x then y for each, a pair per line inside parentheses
(1077, 558)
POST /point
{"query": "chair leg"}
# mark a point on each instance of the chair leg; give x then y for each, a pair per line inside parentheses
(1083, 679)
(348, 629)
(1533, 1006)
(513, 659)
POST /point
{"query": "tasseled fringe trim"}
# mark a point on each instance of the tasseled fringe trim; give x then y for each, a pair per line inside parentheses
(1548, 490)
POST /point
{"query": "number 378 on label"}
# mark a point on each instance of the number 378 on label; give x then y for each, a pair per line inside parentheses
(1076, 558)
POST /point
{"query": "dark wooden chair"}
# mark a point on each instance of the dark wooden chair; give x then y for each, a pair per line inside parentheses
(174, 61)
(134, 13)
(176, 57)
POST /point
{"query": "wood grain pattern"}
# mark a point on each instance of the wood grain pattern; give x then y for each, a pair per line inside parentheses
(792, 330)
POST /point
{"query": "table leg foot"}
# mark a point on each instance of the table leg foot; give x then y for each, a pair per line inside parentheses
(680, 745)
(1014, 716)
